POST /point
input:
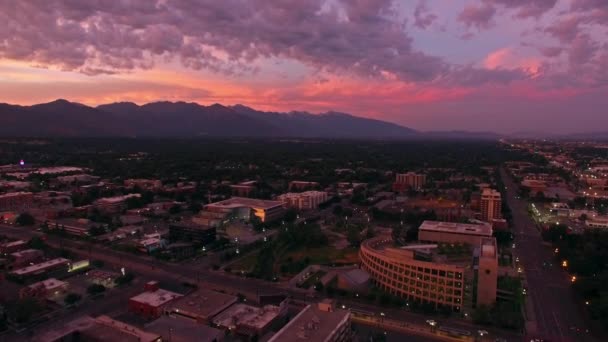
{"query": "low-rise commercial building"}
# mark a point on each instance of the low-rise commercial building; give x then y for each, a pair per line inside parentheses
(58, 265)
(100, 329)
(201, 306)
(113, 205)
(16, 201)
(192, 232)
(44, 289)
(244, 189)
(11, 247)
(354, 280)
(25, 257)
(146, 184)
(150, 304)
(534, 186)
(320, 322)
(302, 185)
(247, 320)
(174, 329)
(303, 200)
(76, 227)
(243, 208)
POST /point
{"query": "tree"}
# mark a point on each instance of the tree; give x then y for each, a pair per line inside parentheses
(125, 279)
(97, 263)
(96, 230)
(175, 209)
(319, 286)
(72, 298)
(195, 207)
(370, 233)
(264, 267)
(25, 219)
(482, 315)
(95, 289)
(353, 236)
(540, 196)
(290, 215)
(337, 210)
(37, 243)
(256, 222)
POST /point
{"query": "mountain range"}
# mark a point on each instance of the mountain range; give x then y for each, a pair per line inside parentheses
(62, 118)
(181, 119)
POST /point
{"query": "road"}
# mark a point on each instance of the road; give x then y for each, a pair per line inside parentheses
(555, 314)
(218, 280)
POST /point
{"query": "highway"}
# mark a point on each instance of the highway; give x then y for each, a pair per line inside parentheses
(555, 315)
(218, 280)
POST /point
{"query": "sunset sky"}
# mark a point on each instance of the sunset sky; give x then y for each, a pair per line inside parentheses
(499, 65)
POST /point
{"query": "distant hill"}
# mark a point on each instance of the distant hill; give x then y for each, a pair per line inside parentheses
(58, 118)
(181, 119)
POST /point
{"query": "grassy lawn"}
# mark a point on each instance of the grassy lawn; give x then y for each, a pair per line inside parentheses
(325, 255)
(245, 263)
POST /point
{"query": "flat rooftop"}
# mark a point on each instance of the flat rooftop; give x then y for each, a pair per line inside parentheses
(243, 314)
(26, 252)
(202, 303)
(49, 284)
(303, 194)
(183, 330)
(13, 243)
(238, 202)
(15, 194)
(311, 324)
(456, 228)
(488, 247)
(58, 169)
(41, 266)
(117, 199)
(156, 298)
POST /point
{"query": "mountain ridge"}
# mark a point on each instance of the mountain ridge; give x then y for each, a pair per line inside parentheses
(185, 119)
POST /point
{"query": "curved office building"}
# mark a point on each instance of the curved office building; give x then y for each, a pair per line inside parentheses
(421, 273)
(414, 273)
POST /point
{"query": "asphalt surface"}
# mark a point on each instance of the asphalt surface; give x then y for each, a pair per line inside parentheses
(556, 315)
(171, 272)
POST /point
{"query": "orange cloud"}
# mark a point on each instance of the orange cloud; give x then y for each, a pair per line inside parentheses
(507, 58)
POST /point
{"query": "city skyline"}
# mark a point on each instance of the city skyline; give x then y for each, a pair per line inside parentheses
(487, 65)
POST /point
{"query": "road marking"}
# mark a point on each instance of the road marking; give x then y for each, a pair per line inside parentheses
(559, 328)
(539, 312)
